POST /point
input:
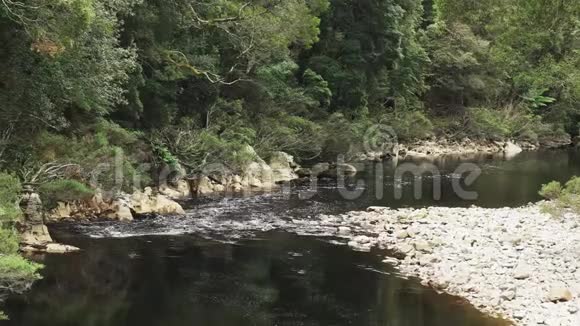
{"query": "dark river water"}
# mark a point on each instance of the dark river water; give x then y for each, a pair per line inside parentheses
(241, 260)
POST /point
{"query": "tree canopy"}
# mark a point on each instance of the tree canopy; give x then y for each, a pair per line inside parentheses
(197, 80)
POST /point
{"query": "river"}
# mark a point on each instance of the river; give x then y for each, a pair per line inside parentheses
(243, 260)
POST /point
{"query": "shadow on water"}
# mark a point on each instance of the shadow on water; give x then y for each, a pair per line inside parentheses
(281, 279)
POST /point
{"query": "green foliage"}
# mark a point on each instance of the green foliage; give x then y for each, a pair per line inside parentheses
(552, 190)
(16, 273)
(561, 198)
(109, 133)
(512, 121)
(367, 70)
(538, 101)
(317, 88)
(295, 135)
(198, 148)
(15, 270)
(530, 54)
(45, 61)
(197, 82)
(106, 156)
(63, 191)
(165, 155)
(410, 125)
(487, 123)
(9, 212)
(281, 88)
(8, 241)
(343, 136)
(573, 187)
(461, 72)
(9, 192)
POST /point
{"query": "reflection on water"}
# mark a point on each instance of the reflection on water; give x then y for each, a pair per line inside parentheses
(502, 183)
(181, 280)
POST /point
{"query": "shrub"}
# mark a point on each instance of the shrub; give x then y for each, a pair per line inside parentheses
(573, 186)
(115, 135)
(63, 191)
(8, 242)
(512, 121)
(99, 153)
(16, 273)
(292, 134)
(196, 148)
(487, 123)
(552, 190)
(562, 198)
(410, 125)
(163, 154)
(343, 136)
(9, 192)
(15, 268)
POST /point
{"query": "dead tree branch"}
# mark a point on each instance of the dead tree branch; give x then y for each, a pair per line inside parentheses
(48, 172)
(180, 60)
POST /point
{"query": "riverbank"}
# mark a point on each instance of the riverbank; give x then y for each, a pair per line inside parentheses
(518, 263)
(235, 218)
(466, 146)
(257, 176)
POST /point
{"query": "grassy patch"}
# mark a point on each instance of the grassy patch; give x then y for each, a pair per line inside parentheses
(562, 198)
(14, 268)
(63, 191)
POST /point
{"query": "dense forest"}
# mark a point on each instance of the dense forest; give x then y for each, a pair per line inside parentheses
(192, 81)
(187, 83)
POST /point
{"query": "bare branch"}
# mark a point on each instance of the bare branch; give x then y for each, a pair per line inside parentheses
(11, 9)
(214, 21)
(183, 62)
(47, 172)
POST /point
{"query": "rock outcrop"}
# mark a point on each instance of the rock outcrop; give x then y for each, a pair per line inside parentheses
(511, 150)
(440, 147)
(328, 170)
(124, 207)
(556, 141)
(34, 235)
(146, 202)
(390, 152)
(283, 167)
(180, 191)
(256, 175)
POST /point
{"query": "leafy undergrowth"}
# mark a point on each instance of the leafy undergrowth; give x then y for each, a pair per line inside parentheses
(562, 198)
(17, 275)
(15, 269)
(16, 272)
